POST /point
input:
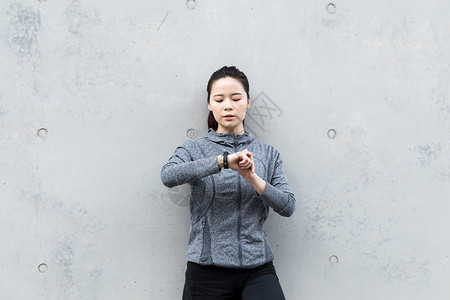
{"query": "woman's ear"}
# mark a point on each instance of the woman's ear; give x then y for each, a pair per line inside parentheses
(209, 106)
(248, 103)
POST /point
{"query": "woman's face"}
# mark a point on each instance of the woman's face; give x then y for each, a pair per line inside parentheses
(229, 103)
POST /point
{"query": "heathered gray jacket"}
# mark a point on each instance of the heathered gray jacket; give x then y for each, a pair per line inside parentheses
(226, 214)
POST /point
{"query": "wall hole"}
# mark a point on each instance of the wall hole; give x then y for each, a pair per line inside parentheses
(331, 133)
(42, 133)
(191, 4)
(333, 259)
(331, 8)
(43, 268)
(191, 133)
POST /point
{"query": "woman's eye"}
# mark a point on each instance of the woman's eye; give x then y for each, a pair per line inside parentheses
(219, 100)
(236, 99)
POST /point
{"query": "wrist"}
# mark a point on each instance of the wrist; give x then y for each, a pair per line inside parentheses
(257, 182)
(220, 161)
(251, 177)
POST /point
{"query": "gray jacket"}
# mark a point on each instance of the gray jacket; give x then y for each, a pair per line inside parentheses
(226, 214)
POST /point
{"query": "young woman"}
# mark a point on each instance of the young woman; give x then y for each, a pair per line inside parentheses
(234, 181)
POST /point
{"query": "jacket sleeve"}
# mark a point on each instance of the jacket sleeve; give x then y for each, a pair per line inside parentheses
(278, 193)
(182, 168)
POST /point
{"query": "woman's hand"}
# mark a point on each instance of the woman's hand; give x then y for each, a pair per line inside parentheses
(243, 163)
(242, 160)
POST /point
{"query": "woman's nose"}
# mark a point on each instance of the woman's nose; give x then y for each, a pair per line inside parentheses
(228, 105)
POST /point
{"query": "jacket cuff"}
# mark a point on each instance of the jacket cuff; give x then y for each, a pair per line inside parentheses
(279, 201)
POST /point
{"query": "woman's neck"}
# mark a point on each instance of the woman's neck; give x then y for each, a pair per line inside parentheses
(235, 131)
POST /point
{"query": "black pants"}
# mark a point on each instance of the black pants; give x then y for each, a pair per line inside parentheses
(216, 283)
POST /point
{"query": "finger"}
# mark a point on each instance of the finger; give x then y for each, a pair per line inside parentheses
(247, 164)
(250, 155)
(247, 161)
(243, 156)
(243, 164)
(243, 159)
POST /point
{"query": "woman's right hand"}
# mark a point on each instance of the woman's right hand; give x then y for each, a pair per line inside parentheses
(241, 162)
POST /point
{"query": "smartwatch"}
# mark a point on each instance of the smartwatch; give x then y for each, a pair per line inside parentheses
(225, 160)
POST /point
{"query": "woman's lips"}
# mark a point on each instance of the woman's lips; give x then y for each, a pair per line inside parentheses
(229, 117)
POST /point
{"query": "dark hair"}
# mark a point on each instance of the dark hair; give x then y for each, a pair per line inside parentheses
(223, 72)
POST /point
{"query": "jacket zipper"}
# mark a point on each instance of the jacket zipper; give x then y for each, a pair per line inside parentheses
(239, 220)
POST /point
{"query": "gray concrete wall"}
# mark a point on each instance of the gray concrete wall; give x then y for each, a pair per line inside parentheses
(95, 96)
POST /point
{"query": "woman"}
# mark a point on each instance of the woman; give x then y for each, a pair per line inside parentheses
(234, 180)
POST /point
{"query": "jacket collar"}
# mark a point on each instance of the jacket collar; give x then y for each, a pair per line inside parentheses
(229, 139)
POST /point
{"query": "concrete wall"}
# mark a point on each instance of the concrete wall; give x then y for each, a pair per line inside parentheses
(95, 96)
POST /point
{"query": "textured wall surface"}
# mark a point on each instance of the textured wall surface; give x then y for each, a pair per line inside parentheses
(95, 96)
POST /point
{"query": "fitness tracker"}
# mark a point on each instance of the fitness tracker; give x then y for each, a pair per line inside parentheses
(225, 160)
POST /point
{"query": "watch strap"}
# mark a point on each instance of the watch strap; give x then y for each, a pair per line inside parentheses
(225, 160)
